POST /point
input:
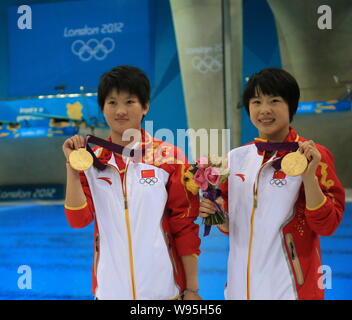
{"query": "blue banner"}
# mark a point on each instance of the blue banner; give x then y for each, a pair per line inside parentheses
(49, 116)
(72, 43)
(324, 106)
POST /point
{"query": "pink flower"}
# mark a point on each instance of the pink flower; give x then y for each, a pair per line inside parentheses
(202, 162)
(200, 180)
(212, 175)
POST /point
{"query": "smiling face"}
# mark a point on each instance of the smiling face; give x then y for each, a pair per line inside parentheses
(123, 111)
(271, 99)
(270, 115)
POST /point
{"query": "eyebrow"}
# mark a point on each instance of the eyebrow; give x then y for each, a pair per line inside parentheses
(131, 96)
(270, 95)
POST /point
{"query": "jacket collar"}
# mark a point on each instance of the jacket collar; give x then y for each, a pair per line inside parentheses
(292, 136)
(282, 148)
(289, 144)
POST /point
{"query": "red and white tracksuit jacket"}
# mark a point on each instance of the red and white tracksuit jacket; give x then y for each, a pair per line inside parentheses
(274, 238)
(143, 223)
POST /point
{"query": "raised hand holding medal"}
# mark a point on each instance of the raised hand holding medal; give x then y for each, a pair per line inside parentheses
(310, 151)
(76, 154)
(80, 159)
(294, 163)
(304, 161)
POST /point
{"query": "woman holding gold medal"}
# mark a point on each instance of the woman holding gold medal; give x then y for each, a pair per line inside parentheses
(281, 195)
(146, 243)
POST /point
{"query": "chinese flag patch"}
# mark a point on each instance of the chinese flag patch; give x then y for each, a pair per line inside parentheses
(148, 173)
(279, 175)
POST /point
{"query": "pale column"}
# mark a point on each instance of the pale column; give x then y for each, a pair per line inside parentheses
(199, 34)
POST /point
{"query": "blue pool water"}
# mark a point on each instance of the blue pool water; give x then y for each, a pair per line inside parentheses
(60, 257)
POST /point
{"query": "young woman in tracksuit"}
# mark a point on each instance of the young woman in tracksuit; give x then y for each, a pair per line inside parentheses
(146, 243)
(275, 220)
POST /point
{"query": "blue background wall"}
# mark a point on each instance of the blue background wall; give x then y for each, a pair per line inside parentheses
(260, 50)
(4, 39)
(56, 52)
(167, 107)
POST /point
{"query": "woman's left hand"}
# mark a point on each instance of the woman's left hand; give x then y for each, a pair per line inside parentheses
(189, 295)
(313, 156)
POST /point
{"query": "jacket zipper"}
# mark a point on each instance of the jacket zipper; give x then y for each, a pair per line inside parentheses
(96, 260)
(127, 221)
(294, 258)
(96, 254)
(255, 205)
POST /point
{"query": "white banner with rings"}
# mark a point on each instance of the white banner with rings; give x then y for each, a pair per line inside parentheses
(93, 48)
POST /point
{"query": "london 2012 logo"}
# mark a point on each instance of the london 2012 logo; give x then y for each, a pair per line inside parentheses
(206, 59)
(93, 48)
(207, 63)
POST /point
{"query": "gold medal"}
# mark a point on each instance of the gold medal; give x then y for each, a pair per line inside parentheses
(80, 159)
(294, 163)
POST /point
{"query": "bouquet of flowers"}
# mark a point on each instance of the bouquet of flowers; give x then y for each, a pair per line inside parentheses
(207, 174)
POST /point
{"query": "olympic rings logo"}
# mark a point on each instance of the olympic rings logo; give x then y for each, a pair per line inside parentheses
(148, 181)
(93, 48)
(207, 63)
(278, 182)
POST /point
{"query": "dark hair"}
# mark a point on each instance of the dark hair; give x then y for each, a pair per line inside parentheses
(275, 82)
(124, 78)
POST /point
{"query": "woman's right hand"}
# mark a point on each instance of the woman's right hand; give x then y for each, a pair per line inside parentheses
(207, 208)
(71, 144)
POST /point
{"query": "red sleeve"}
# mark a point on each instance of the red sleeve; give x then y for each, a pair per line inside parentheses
(82, 216)
(183, 209)
(325, 218)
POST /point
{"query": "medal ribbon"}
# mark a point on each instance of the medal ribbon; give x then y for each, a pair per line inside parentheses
(113, 147)
(277, 146)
